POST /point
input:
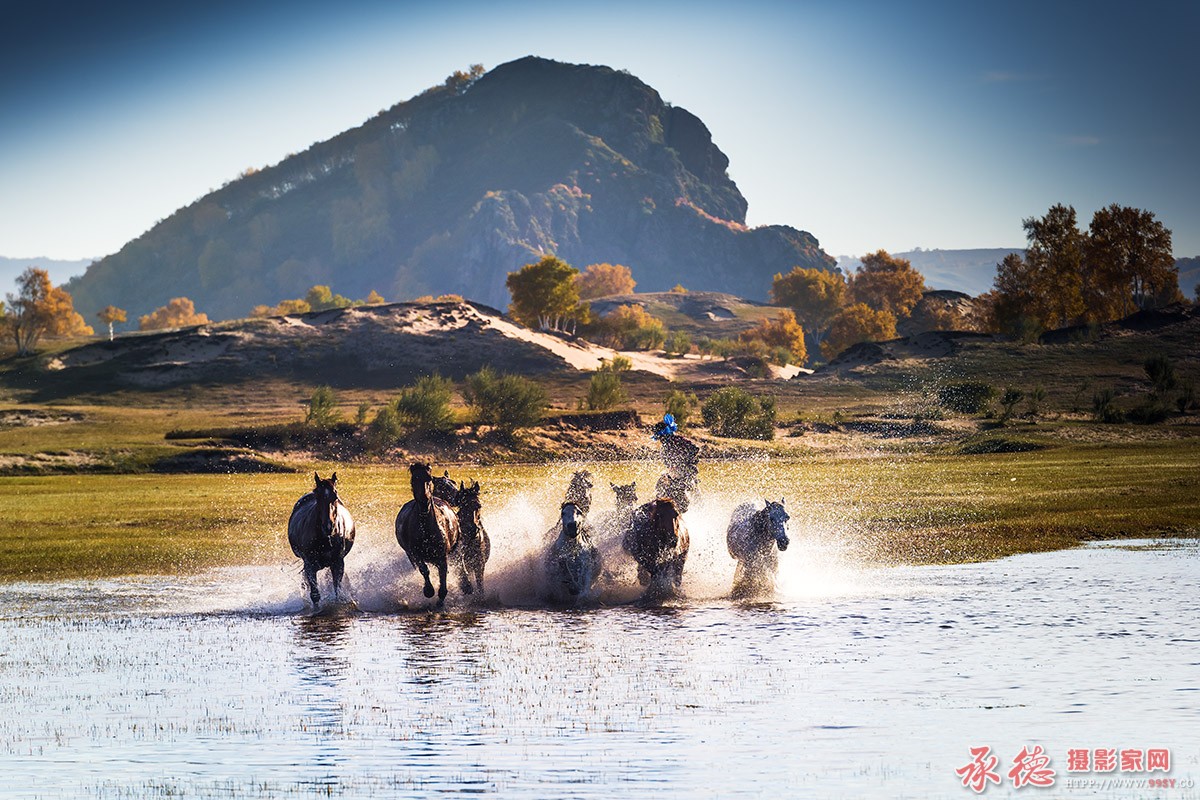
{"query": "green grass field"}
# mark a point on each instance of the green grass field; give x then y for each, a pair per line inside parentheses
(916, 508)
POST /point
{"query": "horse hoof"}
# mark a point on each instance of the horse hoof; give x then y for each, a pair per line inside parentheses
(428, 590)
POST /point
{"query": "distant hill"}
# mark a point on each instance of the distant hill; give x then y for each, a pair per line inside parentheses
(969, 271)
(713, 314)
(451, 190)
(60, 271)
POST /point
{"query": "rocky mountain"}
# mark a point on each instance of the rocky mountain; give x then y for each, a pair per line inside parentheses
(451, 190)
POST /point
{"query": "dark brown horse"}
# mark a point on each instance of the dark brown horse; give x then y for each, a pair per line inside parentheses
(321, 533)
(475, 545)
(658, 542)
(444, 488)
(427, 529)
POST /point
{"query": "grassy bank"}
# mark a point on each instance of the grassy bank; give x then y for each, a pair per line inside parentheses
(889, 507)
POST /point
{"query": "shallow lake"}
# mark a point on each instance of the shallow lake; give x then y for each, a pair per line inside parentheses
(854, 682)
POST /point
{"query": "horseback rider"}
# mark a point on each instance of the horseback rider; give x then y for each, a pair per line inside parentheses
(682, 458)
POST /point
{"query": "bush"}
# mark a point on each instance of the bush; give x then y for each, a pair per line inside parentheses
(1150, 413)
(1103, 409)
(424, 408)
(1009, 400)
(967, 397)
(679, 405)
(1161, 373)
(678, 342)
(322, 408)
(506, 401)
(605, 390)
(386, 429)
(738, 414)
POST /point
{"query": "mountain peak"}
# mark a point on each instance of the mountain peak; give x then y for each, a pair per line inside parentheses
(451, 190)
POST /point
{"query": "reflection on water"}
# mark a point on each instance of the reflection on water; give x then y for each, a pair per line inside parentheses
(876, 685)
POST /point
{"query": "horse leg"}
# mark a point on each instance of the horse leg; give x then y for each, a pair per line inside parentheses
(337, 569)
(464, 580)
(442, 570)
(310, 581)
(424, 569)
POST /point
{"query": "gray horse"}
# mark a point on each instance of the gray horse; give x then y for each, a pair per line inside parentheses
(572, 562)
(757, 535)
(321, 533)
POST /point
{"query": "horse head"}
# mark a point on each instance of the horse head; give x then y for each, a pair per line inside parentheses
(664, 522)
(579, 491)
(467, 500)
(775, 521)
(327, 500)
(626, 495)
(572, 519)
(444, 488)
(421, 477)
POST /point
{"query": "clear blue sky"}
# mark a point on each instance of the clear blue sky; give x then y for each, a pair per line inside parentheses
(891, 124)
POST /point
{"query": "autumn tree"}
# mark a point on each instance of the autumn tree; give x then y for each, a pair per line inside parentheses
(545, 295)
(1053, 273)
(374, 299)
(322, 298)
(180, 312)
(857, 323)
(781, 332)
(814, 295)
(886, 283)
(629, 327)
(41, 309)
(111, 315)
(601, 280)
(1129, 264)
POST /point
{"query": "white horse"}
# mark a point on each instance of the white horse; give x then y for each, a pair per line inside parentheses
(757, 534)
(572, 562)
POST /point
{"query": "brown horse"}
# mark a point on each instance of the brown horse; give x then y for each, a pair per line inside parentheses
(658, 542)
(321, 533)
(476, 546)
(427, 529)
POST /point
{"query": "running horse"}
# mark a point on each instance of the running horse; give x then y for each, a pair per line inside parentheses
(658, 541)
(572, 562)
(579, 491)
(321, 533)
(757, 535)
(475, 544)
(427, 529)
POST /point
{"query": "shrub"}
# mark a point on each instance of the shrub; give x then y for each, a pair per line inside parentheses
(1186, 398)
(424, 408)
(360, 417)
(680, 405)
(1161, 373)
(506, 401)
(630, 327)
(967, 397)
(1036, 396)
(322, 408)
(1150, 413)
(735, 413)
(386, 429)
(1009, 400)
(678, 342)
(1103, 409)
(605, 390)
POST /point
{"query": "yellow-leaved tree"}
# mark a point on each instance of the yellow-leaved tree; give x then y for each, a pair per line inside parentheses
(40, 309)
(601, 280)
(110, 315)
(180, 312)
(857, 323)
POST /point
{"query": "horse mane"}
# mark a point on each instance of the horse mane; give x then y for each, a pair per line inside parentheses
(421, 481)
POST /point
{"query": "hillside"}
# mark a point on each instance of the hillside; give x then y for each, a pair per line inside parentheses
(716, 315)
(451, 190)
